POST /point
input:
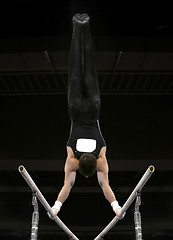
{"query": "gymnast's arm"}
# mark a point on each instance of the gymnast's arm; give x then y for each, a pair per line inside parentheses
(102, 175)
(68, 181)
(70, 175)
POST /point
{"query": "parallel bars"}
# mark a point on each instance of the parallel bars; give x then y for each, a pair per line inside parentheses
(43, 201)
(127, 204)
(129, 201)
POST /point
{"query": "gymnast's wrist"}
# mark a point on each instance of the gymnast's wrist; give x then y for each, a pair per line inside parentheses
(115, 205)
(57, 205)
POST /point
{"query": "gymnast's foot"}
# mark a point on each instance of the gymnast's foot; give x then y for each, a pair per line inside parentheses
(85, 18)
(77, 18)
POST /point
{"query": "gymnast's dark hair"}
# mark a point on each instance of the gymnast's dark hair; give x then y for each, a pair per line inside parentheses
(87, 164)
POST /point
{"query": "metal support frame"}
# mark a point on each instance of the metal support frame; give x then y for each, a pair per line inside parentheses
(43, 201)
(35, 217)
(137, 217)
(129, 201)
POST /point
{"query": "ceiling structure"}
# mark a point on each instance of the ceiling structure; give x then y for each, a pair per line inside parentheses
(118, 73)
(134, 60)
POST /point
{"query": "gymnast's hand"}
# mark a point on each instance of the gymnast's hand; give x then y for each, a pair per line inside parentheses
(117, 211)
(56, 208)
(55, 212)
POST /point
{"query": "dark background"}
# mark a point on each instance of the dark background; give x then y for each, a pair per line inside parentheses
(134, 58)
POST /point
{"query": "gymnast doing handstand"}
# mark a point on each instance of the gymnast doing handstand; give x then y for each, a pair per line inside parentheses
(86, 147)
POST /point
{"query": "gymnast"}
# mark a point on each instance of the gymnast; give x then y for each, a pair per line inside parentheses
(86, 147)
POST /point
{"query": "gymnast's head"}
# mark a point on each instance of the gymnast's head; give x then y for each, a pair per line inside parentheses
(87, 164)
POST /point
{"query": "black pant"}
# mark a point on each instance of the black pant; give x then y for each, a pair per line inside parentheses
(83, 89)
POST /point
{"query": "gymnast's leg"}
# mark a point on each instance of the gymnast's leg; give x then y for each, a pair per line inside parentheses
(90, 76)
(75, 71)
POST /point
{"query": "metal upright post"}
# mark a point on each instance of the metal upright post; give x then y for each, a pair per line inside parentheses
(137, 217)
(35, 217)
